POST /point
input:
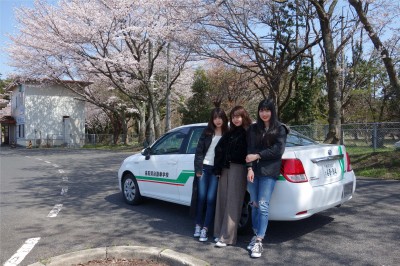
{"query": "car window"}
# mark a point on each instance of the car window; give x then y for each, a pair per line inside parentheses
(169, 144)
(296, 139)
(194, 139)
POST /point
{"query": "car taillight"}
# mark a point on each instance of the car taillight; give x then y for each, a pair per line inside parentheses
(349, 168)
(293, 171)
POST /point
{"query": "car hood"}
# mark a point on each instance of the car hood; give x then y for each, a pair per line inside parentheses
(133, 157)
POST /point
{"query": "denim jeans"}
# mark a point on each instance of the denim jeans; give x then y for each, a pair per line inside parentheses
(260, 193)
(207, 195)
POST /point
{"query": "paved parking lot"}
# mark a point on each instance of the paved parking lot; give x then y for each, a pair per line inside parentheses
(91, 213)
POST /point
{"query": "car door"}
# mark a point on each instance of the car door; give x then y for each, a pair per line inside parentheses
(186, 165)
(158, 171)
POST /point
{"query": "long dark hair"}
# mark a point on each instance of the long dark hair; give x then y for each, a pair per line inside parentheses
(266, 137)
(239, 111)
(217, 112)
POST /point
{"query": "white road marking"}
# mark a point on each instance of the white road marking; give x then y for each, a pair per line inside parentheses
(28, 156)
(39, 159)
(22, 252)
(64, 190)
(53, 213)
(47, 162)
(55, 165)
(65, 178)
(61, 171)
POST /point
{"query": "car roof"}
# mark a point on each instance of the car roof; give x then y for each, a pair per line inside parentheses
(189, 125)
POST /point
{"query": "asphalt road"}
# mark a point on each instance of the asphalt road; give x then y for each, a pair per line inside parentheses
(78, 189)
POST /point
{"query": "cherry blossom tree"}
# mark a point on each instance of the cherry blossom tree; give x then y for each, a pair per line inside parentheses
(120, 42)
(264, 38)
(376, 21)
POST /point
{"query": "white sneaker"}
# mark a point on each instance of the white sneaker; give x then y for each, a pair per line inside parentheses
(197, 231)
(252, 242)
(256, 250)
(220, 244)
(203, 235)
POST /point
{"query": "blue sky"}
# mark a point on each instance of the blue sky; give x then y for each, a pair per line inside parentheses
(7, 26)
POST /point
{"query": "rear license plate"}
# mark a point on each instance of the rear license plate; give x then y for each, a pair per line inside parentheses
(330, 170)
(347, 190)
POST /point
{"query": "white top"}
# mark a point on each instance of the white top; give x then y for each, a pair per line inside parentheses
(209, 158)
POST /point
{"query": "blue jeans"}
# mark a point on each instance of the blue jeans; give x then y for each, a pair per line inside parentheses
(207, 195)
(260, 194)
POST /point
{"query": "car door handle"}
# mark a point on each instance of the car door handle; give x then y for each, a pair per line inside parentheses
(172, 162)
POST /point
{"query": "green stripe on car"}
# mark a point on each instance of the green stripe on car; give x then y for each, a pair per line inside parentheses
(182, 178)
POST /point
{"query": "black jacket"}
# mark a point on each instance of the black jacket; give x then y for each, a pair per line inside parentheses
(231, 148)
(201, 150)
(271, 153)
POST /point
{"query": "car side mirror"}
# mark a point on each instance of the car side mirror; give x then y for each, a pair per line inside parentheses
(146, 152)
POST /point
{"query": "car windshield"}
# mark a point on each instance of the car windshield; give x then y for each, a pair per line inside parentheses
(169, 143)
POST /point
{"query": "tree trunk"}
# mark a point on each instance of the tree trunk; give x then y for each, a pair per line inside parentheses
(332, 74)
(124, 128)
(116, 127)
(157, 123)
(150, 126)
(142, 123)
(387, 60)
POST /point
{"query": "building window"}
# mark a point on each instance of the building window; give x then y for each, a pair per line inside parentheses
(21, 131)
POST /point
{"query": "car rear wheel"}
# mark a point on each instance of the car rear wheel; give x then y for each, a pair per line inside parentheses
(130, 190)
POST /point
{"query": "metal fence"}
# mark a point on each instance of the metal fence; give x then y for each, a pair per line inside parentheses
(367, 135)
(108, 139)
(79, 141)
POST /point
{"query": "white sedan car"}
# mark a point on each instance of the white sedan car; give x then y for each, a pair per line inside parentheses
(314, 177)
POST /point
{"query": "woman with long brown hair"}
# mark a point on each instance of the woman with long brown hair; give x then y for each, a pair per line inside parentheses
(230, 166)
(205, 182)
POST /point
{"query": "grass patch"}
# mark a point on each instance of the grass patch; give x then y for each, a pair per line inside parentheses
(118, 147)
(383, 163)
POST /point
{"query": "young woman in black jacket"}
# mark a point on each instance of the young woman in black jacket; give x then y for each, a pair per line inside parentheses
(206, 182)
(266, 141)
(230, 164)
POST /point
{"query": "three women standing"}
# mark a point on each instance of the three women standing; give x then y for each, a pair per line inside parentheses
(225, 157)
(206, 182)
(266, 141)
(230, 165)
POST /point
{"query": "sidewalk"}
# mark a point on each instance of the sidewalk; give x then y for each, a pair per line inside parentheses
(166, 256)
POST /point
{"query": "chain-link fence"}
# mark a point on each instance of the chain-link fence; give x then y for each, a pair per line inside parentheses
(108, 139)
(79, 141)
(367, 135)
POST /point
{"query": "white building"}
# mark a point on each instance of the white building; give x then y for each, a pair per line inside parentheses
(46, 114)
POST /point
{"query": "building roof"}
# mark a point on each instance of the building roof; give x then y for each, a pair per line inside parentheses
(7, 119)
(18, 81)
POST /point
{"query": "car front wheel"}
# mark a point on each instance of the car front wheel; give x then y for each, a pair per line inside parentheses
(130, 190)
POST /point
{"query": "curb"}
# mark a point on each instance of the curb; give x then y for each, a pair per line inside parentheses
(123, 252)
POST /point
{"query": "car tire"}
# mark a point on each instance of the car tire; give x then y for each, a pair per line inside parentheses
(245, 224)
(130, 190)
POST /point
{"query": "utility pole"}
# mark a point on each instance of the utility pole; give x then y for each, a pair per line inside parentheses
(341, 83)
(150, 133)
(168, 112)
(343, 73)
